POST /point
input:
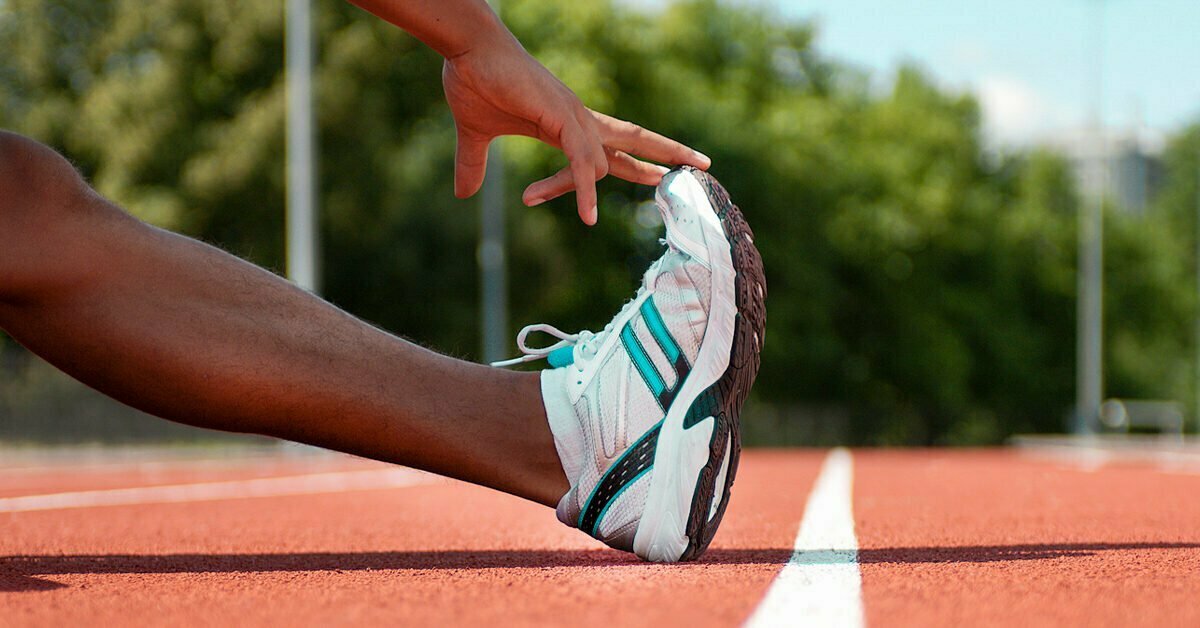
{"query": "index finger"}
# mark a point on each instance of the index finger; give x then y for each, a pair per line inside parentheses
(635, 140)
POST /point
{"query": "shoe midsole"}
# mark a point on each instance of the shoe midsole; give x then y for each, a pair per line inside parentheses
(661, 534)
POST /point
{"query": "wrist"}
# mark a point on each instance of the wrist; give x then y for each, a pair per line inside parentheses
(487, 34)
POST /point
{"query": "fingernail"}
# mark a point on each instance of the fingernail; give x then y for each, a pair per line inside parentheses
(591, 219)
(703, 158)
(535, 202)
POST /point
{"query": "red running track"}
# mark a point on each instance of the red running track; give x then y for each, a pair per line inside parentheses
(946, 538)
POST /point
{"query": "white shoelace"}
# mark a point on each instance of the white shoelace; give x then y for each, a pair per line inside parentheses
(586, 343)
(536, 353)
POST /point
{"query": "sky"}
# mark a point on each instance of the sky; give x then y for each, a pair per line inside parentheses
(1028, 61)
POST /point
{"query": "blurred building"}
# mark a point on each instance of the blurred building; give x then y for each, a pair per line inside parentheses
(1124, 166)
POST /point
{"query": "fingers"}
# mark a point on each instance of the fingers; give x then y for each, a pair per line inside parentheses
(551, 187)
(599, 155)
(635, 140)
(633, 170)
(585, 169)
(620, 165)
(470, 164)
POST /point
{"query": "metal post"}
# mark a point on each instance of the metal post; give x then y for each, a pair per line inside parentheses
(302, 243)
(493, 262)
(1090, 324)
(493, 279)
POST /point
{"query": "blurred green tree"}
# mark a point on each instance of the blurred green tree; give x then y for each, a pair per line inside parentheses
(919, 284)
(1162, 282)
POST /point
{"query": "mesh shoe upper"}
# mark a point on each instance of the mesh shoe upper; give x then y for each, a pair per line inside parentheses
(611, 390)
(627, 395)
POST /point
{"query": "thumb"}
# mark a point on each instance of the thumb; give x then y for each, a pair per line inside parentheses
(470, 164)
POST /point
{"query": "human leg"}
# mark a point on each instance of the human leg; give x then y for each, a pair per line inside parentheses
(187, 332)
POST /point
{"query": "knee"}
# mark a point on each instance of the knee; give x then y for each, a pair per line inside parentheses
(33, 180)
(39, 189)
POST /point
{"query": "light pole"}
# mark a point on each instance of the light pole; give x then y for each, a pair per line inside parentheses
(301, 243)
(491, 255)
(493, 271)
(1089, 372)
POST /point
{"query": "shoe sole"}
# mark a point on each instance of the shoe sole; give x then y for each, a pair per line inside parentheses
(695, 470)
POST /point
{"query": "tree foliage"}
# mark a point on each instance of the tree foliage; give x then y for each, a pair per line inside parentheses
(917, 282)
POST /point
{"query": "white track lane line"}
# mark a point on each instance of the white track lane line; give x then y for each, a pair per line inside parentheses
(821, 585)
(309, 484)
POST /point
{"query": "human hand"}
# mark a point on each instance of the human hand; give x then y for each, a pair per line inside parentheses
(498, 89)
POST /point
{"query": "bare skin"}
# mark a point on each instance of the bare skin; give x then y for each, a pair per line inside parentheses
(189, 333)
(494, 87)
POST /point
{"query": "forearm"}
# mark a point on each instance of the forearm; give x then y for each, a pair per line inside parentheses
(451, 27)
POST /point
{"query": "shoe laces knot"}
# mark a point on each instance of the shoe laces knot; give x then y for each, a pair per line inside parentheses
(581, 347)
(555, 353)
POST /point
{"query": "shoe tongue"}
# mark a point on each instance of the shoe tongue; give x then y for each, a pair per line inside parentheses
(562, 356)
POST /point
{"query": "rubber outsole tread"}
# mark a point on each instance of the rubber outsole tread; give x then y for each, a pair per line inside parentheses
(729, 393)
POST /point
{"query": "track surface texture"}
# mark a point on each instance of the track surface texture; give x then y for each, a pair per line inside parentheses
(945, 538)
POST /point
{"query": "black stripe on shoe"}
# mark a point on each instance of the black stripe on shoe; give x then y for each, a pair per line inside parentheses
(635, 462)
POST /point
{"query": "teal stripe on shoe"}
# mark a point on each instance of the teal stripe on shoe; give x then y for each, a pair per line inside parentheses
(596, 527)
(658, 329)
(637, 353)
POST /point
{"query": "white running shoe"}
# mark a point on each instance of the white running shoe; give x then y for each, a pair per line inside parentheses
(645, 413)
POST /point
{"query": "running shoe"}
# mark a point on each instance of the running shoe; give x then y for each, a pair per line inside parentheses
(645, 413)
